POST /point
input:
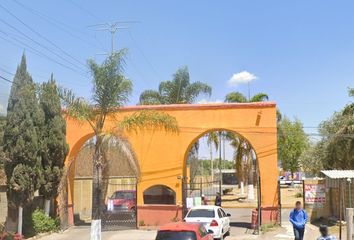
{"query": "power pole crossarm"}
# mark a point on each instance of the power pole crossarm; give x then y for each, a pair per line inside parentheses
(113, 29)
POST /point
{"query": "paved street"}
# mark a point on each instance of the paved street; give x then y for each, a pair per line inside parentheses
(240, 223)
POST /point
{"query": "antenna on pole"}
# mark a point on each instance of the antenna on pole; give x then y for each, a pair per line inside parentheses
(112, 29)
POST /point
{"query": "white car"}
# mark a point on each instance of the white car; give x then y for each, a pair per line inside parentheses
(214, 219)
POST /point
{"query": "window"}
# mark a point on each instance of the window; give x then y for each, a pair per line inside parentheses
(219, 213)
(223, 213)
(159, 194)
(207, 213)
(123, 195)
(180, 235)
(202, 231)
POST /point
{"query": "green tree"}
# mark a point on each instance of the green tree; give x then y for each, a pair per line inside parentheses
(237, 97)
(111, 90)
(295, 142)
(242, 149)
(55, 148)
(22, 142)
(178, 91)
(212, 139)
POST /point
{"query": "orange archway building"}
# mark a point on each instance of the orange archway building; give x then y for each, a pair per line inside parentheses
(162, 156)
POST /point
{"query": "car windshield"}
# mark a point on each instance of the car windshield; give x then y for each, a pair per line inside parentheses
(123, 195)
(206, 213)
(180, 235)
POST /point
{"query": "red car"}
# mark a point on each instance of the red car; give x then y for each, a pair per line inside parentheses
(183, 231)
(123, 201)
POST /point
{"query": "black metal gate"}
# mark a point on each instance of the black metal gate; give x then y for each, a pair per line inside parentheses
(279, 203)
(204, 188)
(120, 210)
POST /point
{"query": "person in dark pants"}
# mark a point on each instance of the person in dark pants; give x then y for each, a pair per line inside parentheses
(218, 200)
(298, 217)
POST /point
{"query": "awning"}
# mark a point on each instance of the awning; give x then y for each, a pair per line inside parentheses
(339, 174)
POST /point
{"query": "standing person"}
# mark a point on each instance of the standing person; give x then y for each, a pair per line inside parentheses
(324, 233)
(204, 200)
(218, 200)
(298, 217)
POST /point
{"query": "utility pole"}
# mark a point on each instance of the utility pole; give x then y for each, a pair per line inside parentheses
(249, 92)
(223, 142)
(113, 29)
(220, 176)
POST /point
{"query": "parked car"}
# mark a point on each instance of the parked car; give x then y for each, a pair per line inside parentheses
(283, 181)
(183, 231)
(124, 201)
(213, 218)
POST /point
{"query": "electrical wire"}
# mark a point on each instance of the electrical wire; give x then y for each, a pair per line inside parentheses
(45, 18)
(41, 54)
(41, 35)
(7, 80)
(86, 11)
(41, 45)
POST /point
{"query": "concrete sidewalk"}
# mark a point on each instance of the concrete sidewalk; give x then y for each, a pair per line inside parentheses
(240, 224)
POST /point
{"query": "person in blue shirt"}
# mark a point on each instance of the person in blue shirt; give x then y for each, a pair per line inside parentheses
(298, 217)
(324, 233)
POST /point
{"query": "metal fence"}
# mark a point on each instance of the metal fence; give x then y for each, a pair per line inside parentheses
(120, 211)
(203, 188)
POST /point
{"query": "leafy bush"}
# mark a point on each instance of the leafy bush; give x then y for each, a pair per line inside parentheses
(141, 223)
(43, 224)
(227, 190)
(298, 195)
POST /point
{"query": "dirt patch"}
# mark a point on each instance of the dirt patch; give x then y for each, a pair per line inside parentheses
(235, 199)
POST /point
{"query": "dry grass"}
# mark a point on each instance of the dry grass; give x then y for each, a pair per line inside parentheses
(288, 198)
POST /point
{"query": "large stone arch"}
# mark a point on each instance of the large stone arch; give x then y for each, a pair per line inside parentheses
(162, 155)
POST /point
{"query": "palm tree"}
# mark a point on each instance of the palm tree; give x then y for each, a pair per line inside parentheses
(212, 138)
(243, 151)
(177, 91)
(110, 91)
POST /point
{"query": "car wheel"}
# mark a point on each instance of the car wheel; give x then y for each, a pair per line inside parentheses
(227, 233)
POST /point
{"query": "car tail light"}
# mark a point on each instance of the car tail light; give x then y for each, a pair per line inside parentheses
(214, 223)
(184, 220)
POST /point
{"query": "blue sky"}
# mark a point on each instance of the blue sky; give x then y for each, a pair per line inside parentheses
(301, 52)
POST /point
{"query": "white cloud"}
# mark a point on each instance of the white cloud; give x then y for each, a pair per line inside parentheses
(1, 107)
(242, 77)
(204, 101)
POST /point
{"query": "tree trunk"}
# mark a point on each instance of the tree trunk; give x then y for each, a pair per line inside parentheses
(250, 188)
(20, 215)
(96, 193)
(211, 162)
(47, 207)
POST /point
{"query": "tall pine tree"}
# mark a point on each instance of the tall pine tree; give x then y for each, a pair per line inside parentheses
(55, 148)
(22, 142)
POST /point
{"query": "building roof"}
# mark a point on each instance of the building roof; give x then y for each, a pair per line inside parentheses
(338, 174)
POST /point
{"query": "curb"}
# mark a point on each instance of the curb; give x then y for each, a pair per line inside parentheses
(41, 235)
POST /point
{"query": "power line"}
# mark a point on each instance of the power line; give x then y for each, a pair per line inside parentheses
(41, 45)
(41, 54)
(45, 19)
(41, 35)
(86, 11)
(7, 80)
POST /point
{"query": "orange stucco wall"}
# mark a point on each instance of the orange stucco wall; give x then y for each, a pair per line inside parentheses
(162, 156)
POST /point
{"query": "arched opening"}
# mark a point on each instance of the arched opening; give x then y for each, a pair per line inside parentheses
(159, 194)
(119, 182)
(221, 161)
